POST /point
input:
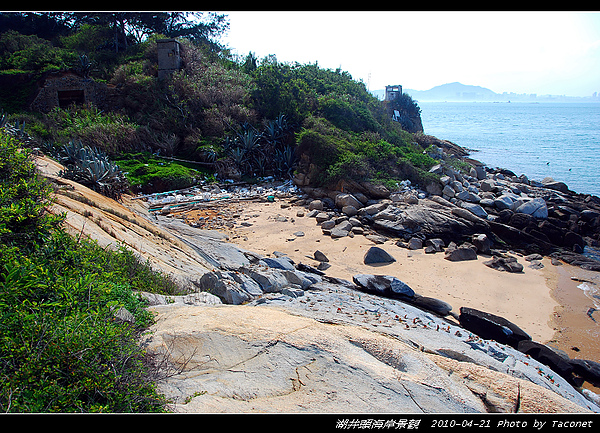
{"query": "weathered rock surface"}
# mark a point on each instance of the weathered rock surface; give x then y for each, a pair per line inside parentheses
(112, 223)
(339, 350)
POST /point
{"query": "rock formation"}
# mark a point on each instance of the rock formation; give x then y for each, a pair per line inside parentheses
(334, 349)
(256, 334)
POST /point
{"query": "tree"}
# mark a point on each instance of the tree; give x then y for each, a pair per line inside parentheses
(43, 25)
(134, 27)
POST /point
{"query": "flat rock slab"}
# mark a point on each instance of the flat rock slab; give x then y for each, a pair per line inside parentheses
(338, 350)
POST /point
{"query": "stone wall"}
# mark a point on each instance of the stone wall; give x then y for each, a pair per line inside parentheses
(62, 89)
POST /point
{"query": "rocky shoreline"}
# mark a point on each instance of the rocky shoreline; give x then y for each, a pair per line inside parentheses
(223, 274)
(414, 220)
(504, 210)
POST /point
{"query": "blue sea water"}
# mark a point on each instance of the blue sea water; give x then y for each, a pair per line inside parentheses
(558, 140)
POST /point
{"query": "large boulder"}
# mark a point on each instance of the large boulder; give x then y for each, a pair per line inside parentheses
(448, 191)
(461, 253)
(278, 263)
(376, 255)
(505, 201)
(482, 243)
(315, 205)
(434, 305)
(338, 232)
(536, 208)
(475, 209)
(492, 327)
(468, 196)
(383, 285)
(349, 210)
(230, 291)
(559, 364)
(488, 185)
(428, 220)
(508, 264)
(587, 370)
(320, 256)
(342, 200)
(436, 244)
(555, 185)
(415, 243)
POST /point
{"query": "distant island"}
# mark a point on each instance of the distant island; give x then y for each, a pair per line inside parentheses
(458, 92)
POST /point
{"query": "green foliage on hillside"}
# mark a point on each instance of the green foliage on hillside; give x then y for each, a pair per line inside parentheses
(218, 109)
(388, 156)
(61, 347)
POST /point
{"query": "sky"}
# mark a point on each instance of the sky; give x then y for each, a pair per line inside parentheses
(538, 52)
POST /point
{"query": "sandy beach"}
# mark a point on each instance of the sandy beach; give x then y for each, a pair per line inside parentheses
(546, 303)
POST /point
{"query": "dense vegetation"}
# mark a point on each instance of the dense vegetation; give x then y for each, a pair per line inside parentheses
(240, 117)
(61, 347)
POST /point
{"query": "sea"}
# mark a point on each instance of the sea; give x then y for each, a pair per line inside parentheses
(548, 139)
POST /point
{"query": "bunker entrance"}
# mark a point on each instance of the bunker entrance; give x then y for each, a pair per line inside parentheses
(68, 97)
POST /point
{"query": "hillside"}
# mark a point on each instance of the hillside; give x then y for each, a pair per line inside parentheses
(231, 118)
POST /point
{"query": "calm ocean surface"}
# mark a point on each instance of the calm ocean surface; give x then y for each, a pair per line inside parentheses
(560, 140)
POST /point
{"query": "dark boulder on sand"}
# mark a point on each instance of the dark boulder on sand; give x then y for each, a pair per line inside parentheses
(588, 370)
(492, 327)
(377, 255)
(383, 285)
(542, 353)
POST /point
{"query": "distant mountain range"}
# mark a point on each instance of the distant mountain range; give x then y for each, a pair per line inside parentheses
(455, 92)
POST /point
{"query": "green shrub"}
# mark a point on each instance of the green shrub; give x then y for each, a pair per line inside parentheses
(31, 53)
(61, 347)
(24, 196)
(112, 133)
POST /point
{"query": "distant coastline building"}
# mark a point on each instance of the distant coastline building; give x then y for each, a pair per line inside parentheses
(392, 92)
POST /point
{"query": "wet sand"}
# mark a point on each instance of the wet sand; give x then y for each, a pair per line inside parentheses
(577, 334)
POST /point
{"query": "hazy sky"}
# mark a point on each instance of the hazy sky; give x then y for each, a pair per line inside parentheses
(522, 52)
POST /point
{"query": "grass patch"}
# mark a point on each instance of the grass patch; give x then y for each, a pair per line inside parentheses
(148, 173)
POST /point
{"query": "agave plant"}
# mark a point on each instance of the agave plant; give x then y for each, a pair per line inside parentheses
(93, 169)
(238, 155)
(16, 130)
(249, 140)
(275, 130)
(272, 133)
(261, 164)
(209, 154)
(284, 160)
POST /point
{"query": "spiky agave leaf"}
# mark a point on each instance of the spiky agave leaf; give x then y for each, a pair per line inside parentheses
(93, 169)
